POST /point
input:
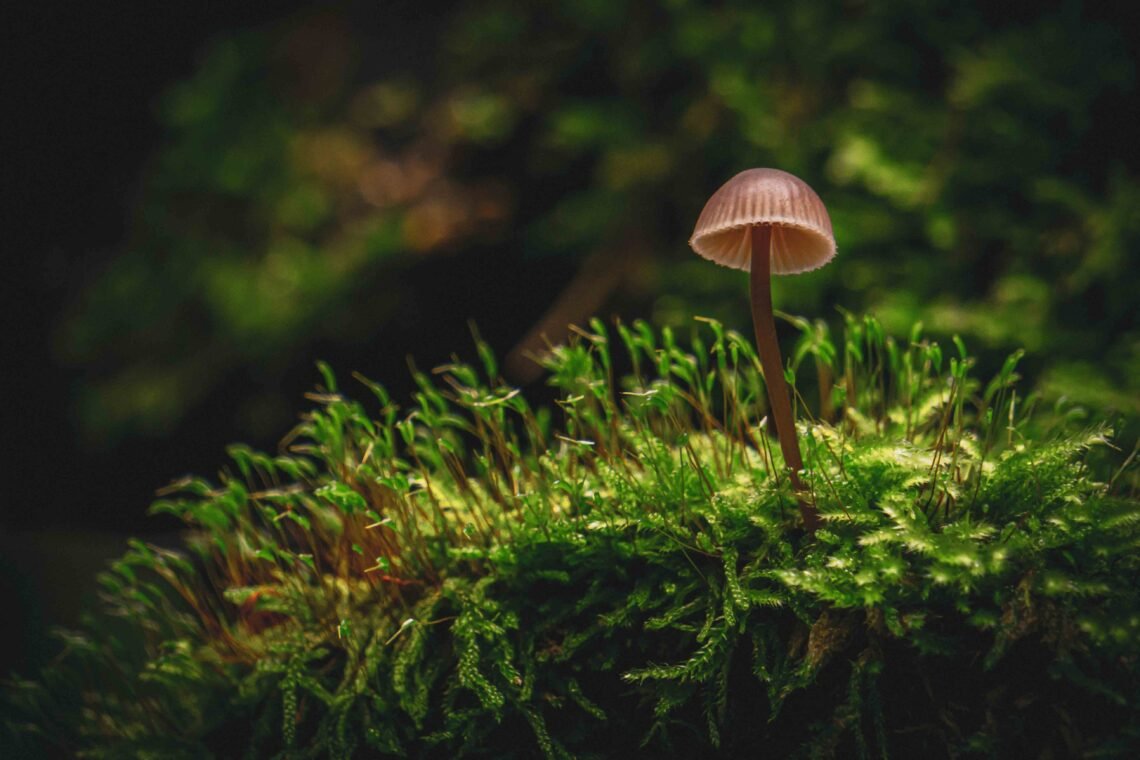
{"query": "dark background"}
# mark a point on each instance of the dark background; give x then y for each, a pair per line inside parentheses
(81, 86)
(80, 82)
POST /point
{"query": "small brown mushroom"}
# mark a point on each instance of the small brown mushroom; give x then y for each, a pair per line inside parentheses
(767, 221)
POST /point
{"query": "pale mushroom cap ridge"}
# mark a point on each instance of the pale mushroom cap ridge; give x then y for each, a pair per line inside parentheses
(802, 238)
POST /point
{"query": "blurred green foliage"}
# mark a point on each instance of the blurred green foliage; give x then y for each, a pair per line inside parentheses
(975, 161)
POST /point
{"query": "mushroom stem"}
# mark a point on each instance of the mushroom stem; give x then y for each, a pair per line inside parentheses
(765, 326)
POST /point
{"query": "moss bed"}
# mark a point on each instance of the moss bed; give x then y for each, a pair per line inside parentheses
(624, 572)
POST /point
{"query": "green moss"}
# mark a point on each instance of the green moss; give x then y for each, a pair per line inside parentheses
(624, 572)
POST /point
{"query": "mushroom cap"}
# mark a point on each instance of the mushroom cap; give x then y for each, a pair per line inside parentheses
(801, 230)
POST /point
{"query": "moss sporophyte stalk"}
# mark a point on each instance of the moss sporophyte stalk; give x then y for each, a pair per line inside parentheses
(626, 572)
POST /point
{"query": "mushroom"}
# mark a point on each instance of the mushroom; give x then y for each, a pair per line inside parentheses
(767, 221)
